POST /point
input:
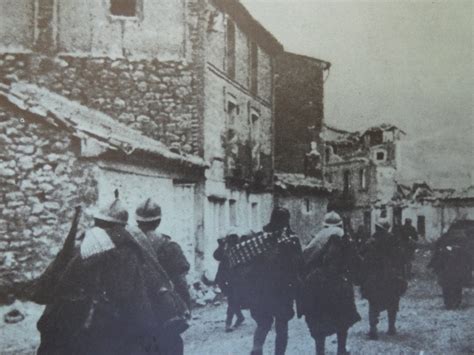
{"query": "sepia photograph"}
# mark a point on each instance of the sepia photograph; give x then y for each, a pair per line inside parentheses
(226, 177)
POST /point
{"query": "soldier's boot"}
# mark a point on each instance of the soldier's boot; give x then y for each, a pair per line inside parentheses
(392, 318)
(281, 340)
(263, 327)
(320, 345)
(373, 321)
(373, 335)
(240, 319)
(341, 343)
(228, 320)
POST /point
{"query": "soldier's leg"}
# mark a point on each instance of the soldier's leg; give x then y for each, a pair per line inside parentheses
(240, 316)
(392, 310)
(373, 321)
(320, 344)
(264, 324)
(341, 342)
(457, 296)
(229, 316)
(281, 339)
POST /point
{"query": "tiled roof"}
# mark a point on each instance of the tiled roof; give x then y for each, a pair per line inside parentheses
(85, 122)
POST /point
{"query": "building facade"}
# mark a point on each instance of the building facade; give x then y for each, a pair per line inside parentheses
(192, 77)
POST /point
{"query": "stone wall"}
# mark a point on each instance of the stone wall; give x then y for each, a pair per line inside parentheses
(42, 180)
(157, 98)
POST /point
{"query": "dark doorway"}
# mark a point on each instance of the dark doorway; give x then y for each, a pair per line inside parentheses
(421, 225)
(347, 181)
(397, 216)
(367, 221)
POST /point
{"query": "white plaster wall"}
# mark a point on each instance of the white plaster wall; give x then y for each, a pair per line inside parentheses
(16, 25)
(177, 202)
(85, 26)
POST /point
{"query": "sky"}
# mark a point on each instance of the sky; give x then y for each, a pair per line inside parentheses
(409, 63)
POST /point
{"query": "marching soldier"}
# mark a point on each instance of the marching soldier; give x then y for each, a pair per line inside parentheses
(278, 283)
(382, 280)
(106, 296)
(328, 295)
(170, 256)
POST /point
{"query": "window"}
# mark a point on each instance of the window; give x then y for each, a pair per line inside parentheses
(329, 177)
(420, 225)
(254, 217)
(327, 157)
(380, 155)
(363, 179)
(255, 138)
(253, 68)
(230, 49)
(232, 112)
(307, 205)
(347, 181)
(232, 213)
(125, 8)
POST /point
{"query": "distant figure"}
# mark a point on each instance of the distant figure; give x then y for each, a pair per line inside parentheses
(382, 277)
(408, 239)
(328, 295)
(360, 237)
(108, 298)
(225, 280)
(172, 259)
(452, 264)
(276, 282)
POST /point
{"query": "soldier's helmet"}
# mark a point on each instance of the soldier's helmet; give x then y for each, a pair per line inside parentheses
(148, 211)
(332, 219)
(115, 213)
(383, 223)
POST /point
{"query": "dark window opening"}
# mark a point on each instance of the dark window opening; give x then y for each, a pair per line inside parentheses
(230, 49)
(347, 181)
(376, 138)
(307, 205)
(420, 225)
(127, 8)
(397, 216)
(367, 221)
(253, 68)
(380, 156)
(327, 157)
(232, 112)
(329, 177)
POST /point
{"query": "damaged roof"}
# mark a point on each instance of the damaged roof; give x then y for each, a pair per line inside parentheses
(288, 181)
(383, 127)
(466, 194)
(336, 135)
(88, 123)
(422, 191)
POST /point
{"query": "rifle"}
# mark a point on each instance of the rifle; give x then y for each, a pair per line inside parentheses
(41, 290)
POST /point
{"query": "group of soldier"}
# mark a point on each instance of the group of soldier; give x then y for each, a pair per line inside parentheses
(318, 278)
(117, 289)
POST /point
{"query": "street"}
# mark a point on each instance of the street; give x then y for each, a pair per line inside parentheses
(424, 327)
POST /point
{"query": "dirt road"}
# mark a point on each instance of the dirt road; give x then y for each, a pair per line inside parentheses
(424, 326)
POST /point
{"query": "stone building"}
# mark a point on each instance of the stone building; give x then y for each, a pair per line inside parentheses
(299, 119)
(362, 167)
(172, 99)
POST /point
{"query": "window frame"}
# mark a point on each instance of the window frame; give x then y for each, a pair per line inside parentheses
(253, 67)
(230, 48)
(138, 12)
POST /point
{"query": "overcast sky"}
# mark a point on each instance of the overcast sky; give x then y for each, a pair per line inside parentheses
(405, 62)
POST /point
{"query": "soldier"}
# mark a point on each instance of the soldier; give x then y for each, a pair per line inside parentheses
(382, 280)
(277, 280)
(171, 258)
(225, 280)
(328, 295)
(408, 238)
(108, 298)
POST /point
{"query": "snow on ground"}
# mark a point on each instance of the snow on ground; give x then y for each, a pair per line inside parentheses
(424, 327)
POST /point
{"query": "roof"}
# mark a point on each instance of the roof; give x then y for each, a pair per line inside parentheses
(288, 181)
(88, 123)
(421, 191)
(249, 24)
(383, 127)
(466, 194)
(336, 135)
(327, 64)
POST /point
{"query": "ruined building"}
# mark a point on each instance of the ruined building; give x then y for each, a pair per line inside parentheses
(168, 99)
(362, 166)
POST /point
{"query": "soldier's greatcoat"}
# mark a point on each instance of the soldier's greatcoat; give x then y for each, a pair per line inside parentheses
(107, 300)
